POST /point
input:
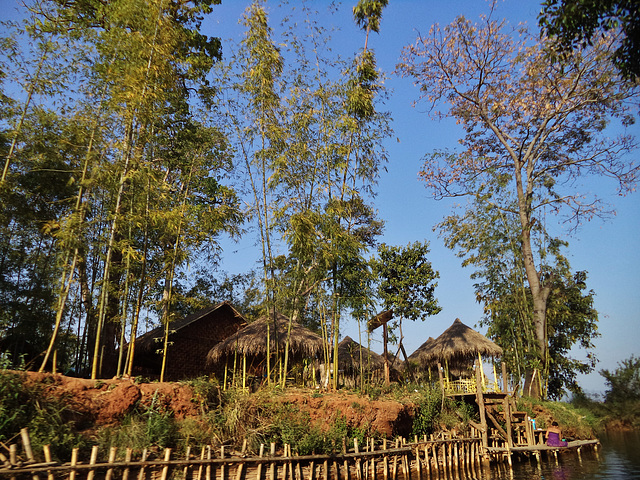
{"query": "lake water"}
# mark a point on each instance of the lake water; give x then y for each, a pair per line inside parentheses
(617, 458)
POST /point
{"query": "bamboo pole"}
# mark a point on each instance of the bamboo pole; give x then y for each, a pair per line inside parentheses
(200, 467)
(222, 465)
(127, 458)
(47, 458)
(385, 461)
(92, 461)
(112, 458)
(272, 465)
(144, 457)
(209, 465)
(165, 469)
(74, 461)
(185, 470)
(259, 467)
(357, 460)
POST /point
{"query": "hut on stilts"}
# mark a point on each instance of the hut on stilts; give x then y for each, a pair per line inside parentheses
(454, 354)
(284, 342)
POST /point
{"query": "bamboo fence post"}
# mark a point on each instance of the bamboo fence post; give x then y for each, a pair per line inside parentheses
(345, 463)
(272, 465)
(199, 474)
(406, 463)
(325, 468)
(47, 458)
(426, 458)
(299, 469)
(92, 461)
(74, 462)
(312, 467)
(187, 457)
(456, 457)
(434, 456)
(285, 466)
(127, 459)
(112, 458)
(394, 472)
(223, 470)
(26, 444)
(165, 468)
(144, 458)
(241, 463)
(259, 467)
(372, 468)
(418, 466)
(357, 459)
(209, 464)
(385, 461)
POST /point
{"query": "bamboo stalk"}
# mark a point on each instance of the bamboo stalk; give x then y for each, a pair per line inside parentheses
(222, 465)
(127, 458)
(165, 469)
(112, 458)
(259, 468)
(187, 457)
(209, 465)
(144, 457)
(92, 461)
(47, 458)
(199, 474)
(272, 465)
(74, 462)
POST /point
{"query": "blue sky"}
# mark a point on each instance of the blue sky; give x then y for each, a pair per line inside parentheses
(609, 251)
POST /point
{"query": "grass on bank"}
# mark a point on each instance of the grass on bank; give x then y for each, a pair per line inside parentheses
(229, 417)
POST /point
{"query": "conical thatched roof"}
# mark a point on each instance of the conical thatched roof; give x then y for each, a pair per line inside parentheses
(349, 356)
(251, 341)
(416, 356)
(456, 345)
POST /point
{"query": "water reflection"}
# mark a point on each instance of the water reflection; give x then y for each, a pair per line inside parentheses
(618, 458)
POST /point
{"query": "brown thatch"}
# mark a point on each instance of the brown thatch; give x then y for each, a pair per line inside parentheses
(457, 345)
(349, 356)
(251, 341)
(415, 357)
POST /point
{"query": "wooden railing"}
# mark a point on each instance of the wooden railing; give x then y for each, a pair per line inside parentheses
(397, 460)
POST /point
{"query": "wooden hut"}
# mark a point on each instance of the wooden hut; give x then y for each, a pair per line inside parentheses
(456, 350)
(190, 340)
(247, 348)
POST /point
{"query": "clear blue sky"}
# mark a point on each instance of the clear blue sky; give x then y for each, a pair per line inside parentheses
(609, 251)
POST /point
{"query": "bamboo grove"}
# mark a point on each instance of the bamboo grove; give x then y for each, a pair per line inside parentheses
(131, 147)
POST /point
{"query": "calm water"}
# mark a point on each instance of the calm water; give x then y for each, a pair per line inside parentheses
(618, 458)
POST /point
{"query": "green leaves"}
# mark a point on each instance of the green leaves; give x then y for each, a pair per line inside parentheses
(406, 280)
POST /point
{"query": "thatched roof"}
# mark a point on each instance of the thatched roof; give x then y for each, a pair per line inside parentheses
(457, 344)
(415, 356)
(148, 342)
(349, 356)
(252, 340)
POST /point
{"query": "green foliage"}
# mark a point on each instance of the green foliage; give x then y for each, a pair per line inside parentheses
(576, 24)
(407, 280)
(428, 409)
(46, 419)
(145, 427)
(622, 397)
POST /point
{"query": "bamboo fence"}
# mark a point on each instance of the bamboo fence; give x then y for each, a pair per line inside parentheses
(419, 460)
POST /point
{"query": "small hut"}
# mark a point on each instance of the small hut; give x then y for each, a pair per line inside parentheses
(349, 364)
(248, 347)
(456, 349)
(190, 340)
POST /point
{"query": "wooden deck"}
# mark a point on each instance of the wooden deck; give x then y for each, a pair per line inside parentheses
(573, 445)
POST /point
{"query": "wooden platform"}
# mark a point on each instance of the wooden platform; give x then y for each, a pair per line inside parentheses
(573, 445)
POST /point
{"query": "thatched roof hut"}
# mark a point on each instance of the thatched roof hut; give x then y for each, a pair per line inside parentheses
(458, 345)
(349, 356)
(251, 341)
(415, 357)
